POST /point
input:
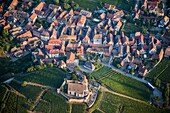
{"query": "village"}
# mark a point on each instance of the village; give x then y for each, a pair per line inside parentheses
(80, 40)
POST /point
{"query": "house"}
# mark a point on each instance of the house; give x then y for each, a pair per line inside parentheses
(62, 64)
(118, 26)
(54, 42)
(36, 33)
(132, 66)
(109, 7)
(13, 4)
(80, 50)
(37, 54)
(25, 35)
(165, 20)
(72, 46)
(52, 6)
(86, 39)
(167, 52)
(70, 58)
(39, 7)
(142, 70)
(89, 66)
(82, 21)
(78, 89)
(62, 15)
(68, 37)
(53, 53)
(45, 36)
(118, 14)
(88, 14)
(97, 39)
(33, 18)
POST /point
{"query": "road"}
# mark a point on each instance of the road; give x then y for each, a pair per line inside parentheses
(122, 95)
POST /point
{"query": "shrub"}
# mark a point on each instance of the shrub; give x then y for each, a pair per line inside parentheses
(24, 83)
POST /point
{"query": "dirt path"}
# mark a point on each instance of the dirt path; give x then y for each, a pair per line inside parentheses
(122, 95)
(40, 85)
(11, 89)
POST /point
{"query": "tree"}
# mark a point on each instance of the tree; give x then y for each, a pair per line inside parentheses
(144, 29)
(76, 6)
(50, 65)
(66, 6)
(72, 3)
(57, 1)
(24, 83)
(74, 77)
(31, 69)
(5, 33)
(65, 1)
(158, 82)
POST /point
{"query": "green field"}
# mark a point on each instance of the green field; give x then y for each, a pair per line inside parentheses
(161, 71)
(7, 66)
(92, 4)
(116, 104)
(57, 103)
(131, 28)
(78, 108)
(97, 111)
(3, 92)
(165, 75)
(50, 76)
(31, 92)
(122, 84)
(13, 104)
(43, 106)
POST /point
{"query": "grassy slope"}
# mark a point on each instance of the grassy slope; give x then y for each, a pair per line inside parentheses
(20, 65)
(111, 103)
(14, 103)
(31, 92)
(161, 71)
(92, 4)
(49, 76)
(58, 104)
(122, 84)
(43, 106)
(78, 108)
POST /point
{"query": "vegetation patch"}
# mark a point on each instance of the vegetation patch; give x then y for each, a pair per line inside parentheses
(43, 107)
(31, 92)
(56, 102)
(116, 104)
(161, 71)
(53, 77)
(78, 108)
(122, 84)
(14, 104)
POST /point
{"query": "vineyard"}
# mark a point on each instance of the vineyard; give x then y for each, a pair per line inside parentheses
(57, 103)
(31, 92)
(50, 77)
(116, 104)
(12, 103)
(161, 71)
(43, 107)
(122, 84)
(78, 108)
(165, 75)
